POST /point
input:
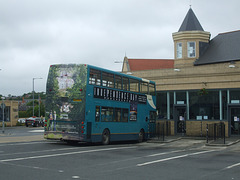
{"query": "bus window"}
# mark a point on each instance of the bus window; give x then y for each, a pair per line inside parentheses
(107, 79)
(117, 115)
(152, 89)
(95, 77)
(134, 85)
(144, 88)
(125, 84)
(97, 114)
(118, 82)
(124, 115)
(107, 114)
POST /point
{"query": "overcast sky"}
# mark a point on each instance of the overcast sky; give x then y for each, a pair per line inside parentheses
(37, 33)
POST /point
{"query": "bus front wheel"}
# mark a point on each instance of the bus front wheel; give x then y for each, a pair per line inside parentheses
(141, 136)
(105, 137)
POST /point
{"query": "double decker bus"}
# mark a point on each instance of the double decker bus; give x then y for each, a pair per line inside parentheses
(85, 103)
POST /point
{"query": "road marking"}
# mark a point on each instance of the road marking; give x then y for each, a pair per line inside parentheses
(48, 150)
(37, 131)
(64, 154)
(30, 142)
(234, 165)
(159, 154)
(23, 143)
(174, 157)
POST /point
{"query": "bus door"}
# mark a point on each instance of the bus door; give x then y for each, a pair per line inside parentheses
(96, 125)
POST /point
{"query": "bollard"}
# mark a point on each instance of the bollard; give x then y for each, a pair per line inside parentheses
(163, 131)
(224, 136)
(215, 133)
(167, 128)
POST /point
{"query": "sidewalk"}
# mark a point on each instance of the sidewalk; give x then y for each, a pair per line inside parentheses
(21, 134)
(219, 142)
(7, 139)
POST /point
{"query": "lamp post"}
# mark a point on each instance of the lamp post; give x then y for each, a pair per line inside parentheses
(33, 93)
(3, 107)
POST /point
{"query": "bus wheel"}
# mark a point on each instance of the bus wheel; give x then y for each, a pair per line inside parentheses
(141, 136)
(105, 137)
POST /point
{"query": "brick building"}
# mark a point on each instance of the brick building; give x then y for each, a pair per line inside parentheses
(201, 85)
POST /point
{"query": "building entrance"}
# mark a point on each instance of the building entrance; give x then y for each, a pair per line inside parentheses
(235, 120)
(180, 118)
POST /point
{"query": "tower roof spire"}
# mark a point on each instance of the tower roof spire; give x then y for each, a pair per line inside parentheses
(190, 22)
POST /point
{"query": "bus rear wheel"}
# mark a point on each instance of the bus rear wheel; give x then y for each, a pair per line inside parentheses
(141, 136)
(105, 137)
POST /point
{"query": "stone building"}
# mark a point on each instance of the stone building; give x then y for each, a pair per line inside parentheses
(10, 113)
(201, 85)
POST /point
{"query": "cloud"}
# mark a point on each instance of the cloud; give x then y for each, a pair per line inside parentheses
(36, 34)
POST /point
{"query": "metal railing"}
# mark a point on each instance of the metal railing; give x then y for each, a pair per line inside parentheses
(162, 129)
(216, 131)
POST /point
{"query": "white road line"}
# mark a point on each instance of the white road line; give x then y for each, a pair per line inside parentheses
(234, 165)
(41, 151)
(24, 143)
(174, 157)
(37, 131)
(64, 154)
(159, 154)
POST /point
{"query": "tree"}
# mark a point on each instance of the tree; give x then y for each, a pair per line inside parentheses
(29, 112)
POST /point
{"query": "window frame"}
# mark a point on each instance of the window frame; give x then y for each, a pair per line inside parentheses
(94, 77)
(134, 85)
(193, 51)
(179, 50)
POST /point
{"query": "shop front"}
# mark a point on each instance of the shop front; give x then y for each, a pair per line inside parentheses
(192, 110)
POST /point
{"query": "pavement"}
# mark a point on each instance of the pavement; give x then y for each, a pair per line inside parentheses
(21, 134)
(28, 134)
(219, 142)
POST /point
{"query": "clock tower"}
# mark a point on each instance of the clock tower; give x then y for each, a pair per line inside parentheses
(190, 41)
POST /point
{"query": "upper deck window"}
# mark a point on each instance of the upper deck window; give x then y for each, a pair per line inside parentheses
(134, 85)
(118, 82)
(107, 79)
(95, 77)
(125, 84)
(144, 87)
(152, 89)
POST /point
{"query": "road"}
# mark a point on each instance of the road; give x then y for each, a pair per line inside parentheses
(182, 159)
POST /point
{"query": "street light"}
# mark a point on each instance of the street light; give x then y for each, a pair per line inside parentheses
(33, 93)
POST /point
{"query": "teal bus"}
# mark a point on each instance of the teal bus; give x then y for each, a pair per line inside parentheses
(85, 103)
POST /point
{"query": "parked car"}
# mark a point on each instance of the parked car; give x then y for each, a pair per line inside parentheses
(34, 121)
(21, 121)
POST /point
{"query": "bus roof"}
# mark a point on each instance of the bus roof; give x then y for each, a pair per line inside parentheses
(106, 70)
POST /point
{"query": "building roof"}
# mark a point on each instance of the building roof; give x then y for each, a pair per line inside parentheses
(190, 22)
(150, 64)
(223, 48)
